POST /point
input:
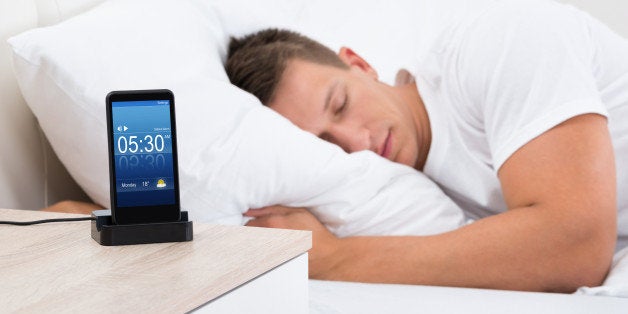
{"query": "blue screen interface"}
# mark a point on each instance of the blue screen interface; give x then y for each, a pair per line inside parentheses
(142, 143)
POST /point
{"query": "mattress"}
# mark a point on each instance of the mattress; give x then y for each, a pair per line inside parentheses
(330, 297)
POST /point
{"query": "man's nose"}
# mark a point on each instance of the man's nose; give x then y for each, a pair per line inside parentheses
(351, 138)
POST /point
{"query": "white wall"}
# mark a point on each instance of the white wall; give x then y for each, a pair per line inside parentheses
(613, 13)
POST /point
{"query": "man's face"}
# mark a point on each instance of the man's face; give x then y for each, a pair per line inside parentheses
(348, 107)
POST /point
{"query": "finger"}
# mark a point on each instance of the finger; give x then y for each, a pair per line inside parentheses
(258, 212)
(270, 210)
(253, 223)
(258, 222)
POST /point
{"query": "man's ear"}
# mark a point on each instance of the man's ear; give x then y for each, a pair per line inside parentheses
(354, 61)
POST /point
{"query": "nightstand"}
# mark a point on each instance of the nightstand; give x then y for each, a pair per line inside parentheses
(58, 267)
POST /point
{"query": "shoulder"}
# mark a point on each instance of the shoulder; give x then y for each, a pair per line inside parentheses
(530, 24)
(505, 15)
(515, 41)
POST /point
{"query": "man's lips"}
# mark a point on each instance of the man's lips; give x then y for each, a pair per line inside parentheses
(387, 147)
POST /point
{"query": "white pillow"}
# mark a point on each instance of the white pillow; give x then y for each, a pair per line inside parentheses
(235, 154)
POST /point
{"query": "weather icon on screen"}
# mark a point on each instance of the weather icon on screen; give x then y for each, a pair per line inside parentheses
(161, 183)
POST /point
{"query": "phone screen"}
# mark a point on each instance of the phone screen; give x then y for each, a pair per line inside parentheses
(143, 153)
(143, 156)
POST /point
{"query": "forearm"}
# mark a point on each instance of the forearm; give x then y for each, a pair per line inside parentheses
(523, 249)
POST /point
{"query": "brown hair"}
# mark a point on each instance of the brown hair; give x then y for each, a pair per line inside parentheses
(256, 62)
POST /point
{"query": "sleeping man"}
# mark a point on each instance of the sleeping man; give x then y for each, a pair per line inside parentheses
(519, 113)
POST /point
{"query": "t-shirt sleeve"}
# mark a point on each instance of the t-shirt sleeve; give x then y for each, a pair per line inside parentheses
(526, 67)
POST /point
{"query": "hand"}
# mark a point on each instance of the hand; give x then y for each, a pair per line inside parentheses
(324, 243)
(72, 207)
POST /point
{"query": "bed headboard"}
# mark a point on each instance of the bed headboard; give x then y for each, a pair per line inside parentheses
(31, 176)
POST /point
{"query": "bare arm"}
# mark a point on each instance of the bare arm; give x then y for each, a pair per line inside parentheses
(559, 233)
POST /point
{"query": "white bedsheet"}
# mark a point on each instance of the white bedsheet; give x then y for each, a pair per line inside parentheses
(616, 283)
(329, 297)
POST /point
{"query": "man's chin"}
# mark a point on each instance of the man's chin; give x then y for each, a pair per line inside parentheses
(410, 162)
(404, 161)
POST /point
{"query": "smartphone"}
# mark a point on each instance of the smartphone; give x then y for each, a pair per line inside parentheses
(143, 166)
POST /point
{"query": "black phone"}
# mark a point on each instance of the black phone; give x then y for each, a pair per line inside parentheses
(143, 165)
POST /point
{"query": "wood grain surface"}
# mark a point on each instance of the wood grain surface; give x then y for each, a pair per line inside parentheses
(58, 267)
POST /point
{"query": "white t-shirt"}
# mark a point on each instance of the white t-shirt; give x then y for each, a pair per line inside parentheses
(500, 77)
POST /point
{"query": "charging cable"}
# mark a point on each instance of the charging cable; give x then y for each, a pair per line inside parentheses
(36, 222)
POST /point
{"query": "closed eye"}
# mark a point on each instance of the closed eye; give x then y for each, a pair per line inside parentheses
(343, 107)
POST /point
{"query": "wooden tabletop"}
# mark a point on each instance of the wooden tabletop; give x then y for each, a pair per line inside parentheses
(58, 266)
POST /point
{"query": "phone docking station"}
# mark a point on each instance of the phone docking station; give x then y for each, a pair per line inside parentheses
(105, 232)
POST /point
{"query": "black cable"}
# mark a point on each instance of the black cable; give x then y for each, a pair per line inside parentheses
(35, 222)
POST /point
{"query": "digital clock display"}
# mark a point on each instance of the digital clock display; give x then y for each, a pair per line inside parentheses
(142, 142)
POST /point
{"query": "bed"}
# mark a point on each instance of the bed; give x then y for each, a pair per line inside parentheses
(34, 177)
